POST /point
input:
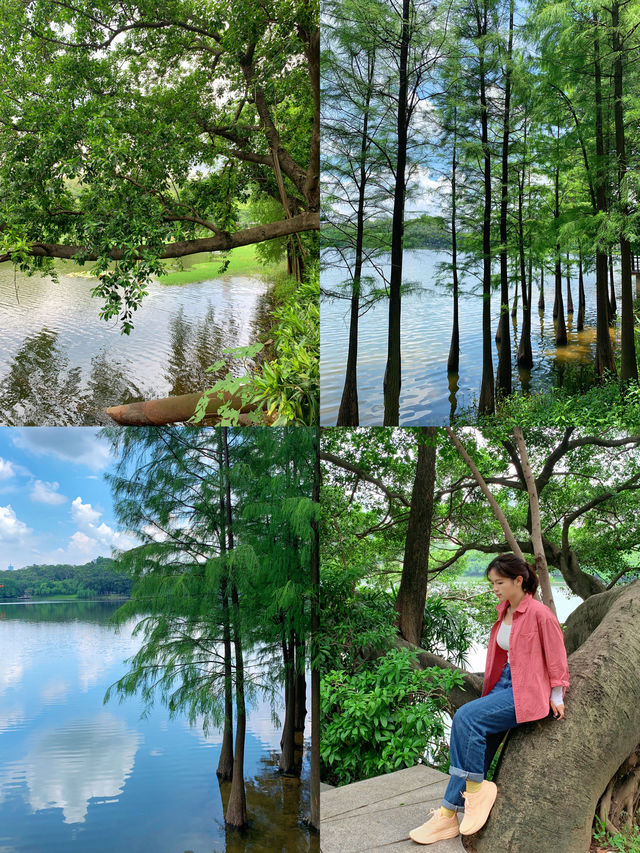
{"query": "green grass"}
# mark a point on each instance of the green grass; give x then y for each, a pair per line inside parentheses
(200, 267)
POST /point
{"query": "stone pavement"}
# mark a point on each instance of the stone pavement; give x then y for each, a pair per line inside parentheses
(378, 813)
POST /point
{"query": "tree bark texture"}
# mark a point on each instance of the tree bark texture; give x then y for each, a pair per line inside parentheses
(413, 585)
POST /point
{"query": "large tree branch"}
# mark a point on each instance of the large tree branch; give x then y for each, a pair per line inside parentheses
(218, 243)
(339, 462)
(497, 511)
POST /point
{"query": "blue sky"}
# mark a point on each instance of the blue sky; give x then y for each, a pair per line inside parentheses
(55, 505)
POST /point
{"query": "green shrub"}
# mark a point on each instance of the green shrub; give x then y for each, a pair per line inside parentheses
(381, 719)
(287, 386)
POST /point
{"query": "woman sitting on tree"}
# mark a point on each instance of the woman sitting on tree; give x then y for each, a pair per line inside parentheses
(525, 675)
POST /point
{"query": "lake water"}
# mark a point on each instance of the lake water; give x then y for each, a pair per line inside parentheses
(429, 395)
(60, 364)
(78, 775)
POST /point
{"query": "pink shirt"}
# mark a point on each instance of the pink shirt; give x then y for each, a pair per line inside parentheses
(537, 657)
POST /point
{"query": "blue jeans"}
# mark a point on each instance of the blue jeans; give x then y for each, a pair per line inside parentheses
(478, 727)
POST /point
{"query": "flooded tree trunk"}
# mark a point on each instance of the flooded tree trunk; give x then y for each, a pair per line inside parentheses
(569, 296)
(558, 308)
(503, 375)
(236, 814)
(541, 296)
(525, 355)
(605, 362)
(287, 763)
(613, 305)
(225, 763)
(629, 364)
(393, 370)
(486, 403)
(453, 363)
(581, 294)
(348, 414)
(237, 807)
(300, 714)
(413, 584)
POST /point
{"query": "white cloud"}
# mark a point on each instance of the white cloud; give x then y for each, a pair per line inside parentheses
(11, 528)
(7, 469)
(84, 515)
(91, 538)
(80, 445)
(47, 493)
(82, 543)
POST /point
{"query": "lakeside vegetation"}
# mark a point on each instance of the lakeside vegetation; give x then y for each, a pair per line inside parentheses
(420, 232)
(94, 579)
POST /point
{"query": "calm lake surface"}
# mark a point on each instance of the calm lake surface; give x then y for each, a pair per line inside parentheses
(78, 775)
(60, 364)
(429, 395)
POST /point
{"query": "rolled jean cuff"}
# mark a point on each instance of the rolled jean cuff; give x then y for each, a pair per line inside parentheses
(472, 777)
(452, 807)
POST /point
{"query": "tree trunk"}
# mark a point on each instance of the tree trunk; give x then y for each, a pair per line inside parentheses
(613, 306)
(628, 364)
(453, 364)
(486, 403)
(348, 414)
(536, 529)
(513, 544)
(525, 355)
(541, 297)
(314, 782)
(605, 362)
(503, 376)
(236, 814)
(225, 763)
(581, 294)
(392, 374)
(415, 568)
(287, 763)
(558, 306)
(569, 296)
(552, 774)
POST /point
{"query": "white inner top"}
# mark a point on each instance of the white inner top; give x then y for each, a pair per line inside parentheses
(504, 632)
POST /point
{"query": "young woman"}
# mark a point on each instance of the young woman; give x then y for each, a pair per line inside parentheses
(524, 678)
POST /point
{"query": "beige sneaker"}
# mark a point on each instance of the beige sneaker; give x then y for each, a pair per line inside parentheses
(437, 828)
(477, 807)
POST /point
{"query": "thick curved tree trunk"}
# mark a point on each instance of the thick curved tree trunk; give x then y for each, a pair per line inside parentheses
(553, 774)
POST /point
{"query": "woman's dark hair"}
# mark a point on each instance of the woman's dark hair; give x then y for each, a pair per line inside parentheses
(510, 566)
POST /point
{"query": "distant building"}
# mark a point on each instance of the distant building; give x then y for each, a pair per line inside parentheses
(10, 569)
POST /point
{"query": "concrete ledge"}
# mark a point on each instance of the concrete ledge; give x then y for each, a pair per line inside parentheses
(377, 814)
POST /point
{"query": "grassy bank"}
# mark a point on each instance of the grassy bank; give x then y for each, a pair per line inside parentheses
(242, 261)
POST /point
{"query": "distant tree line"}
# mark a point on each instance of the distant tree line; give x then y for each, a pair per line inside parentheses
(423, 232)
(97, 577)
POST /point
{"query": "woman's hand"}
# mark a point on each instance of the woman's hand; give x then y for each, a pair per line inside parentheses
(557, 710)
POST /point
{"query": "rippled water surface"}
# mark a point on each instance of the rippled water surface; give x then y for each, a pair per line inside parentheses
(429, 395)
(60, 364)
(78, 775)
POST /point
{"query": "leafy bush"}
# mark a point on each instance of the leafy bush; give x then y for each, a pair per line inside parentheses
(381, 719)
(287, 387)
